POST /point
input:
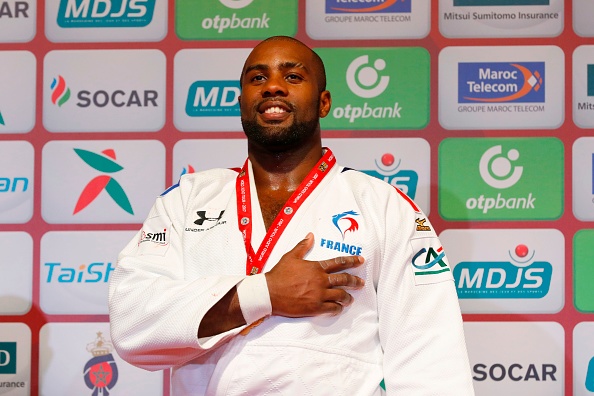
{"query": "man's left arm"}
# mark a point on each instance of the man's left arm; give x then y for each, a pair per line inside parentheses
(420, 321)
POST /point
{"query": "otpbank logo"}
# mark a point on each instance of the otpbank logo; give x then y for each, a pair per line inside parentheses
(501, 82)
(500, 2)
(387, 169)
(213, 99)
(234, 19)
(101, 181)
(505, 179)
(101, 90)
(380, 6)
(105, 14)
(381, 91)
(507, 271)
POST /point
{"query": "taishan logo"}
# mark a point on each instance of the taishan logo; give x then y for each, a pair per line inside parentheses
(101, 371)
(500, 82)
(60, 91)
(371, 6)
(387, 170)
(103, 163)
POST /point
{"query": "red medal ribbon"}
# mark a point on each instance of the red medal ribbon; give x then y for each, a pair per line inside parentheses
(256, 261)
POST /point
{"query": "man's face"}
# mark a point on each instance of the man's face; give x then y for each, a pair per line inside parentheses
(281, 103)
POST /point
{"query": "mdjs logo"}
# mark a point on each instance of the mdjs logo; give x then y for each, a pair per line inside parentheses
(519, 278)
(387, 170)
(213, 99)
(105, 13)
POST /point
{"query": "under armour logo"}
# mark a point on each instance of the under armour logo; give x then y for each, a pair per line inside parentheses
(202, 217)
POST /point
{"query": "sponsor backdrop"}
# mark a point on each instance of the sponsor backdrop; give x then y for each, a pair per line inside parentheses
(480, 110)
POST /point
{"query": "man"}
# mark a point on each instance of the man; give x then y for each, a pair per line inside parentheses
(293, 275)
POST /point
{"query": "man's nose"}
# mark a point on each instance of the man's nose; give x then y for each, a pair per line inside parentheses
(275, 86)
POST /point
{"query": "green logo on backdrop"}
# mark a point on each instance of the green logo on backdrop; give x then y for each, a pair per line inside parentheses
(8, 356)
(377, 88)
(234, 19)
(501, 179)
(583, 270)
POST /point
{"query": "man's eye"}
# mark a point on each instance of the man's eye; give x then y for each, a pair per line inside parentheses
(294, 77)
(258, 78)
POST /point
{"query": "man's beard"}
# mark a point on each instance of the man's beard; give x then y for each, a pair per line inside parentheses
(279, 137)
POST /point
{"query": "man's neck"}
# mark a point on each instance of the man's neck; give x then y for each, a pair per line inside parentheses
(277, 174)
(283, 170)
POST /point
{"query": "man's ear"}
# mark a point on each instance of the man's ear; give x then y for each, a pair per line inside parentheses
(325, 103)
(239, 100)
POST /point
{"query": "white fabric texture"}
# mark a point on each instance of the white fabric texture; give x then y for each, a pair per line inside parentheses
(254, 299)
(404, 326)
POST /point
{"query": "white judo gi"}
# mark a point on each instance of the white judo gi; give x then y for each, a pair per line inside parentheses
(404, 325)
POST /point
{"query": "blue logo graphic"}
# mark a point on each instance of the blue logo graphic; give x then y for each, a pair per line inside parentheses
(213, 99)
(92, 273)
(351, 224)
(501, 279)
(500, 82)
(105, 13)
(426, 259)
(387, 170)
(378, 6)
(590, 376)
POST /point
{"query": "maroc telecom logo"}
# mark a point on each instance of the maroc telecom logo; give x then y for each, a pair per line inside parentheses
(387, 170)
(60, 91)
(345, 222)
(103, 163)
(386, 6)
(501, 82)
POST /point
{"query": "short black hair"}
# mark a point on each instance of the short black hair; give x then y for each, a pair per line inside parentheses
(318, 62)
